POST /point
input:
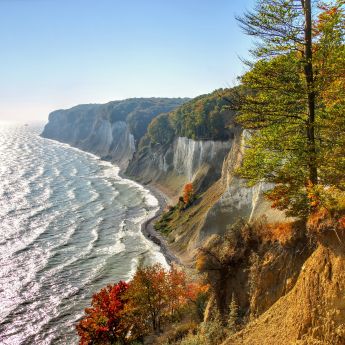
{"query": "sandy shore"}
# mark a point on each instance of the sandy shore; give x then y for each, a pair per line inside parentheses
(147, 227)
(148, 230)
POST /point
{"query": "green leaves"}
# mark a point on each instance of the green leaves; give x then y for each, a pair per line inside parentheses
(295, 108)
(160, 130)
(277, 24)
(204, 118)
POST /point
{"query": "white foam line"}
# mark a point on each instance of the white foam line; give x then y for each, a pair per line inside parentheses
(149, 199)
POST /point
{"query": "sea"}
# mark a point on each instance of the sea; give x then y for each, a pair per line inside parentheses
(69, 225)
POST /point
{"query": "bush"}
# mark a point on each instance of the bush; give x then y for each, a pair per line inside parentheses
(177, 333)
(208, 333)
(103, 322)
(188, 194)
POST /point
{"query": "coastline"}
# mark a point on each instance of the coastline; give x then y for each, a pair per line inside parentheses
(147, 227)
(150, 233)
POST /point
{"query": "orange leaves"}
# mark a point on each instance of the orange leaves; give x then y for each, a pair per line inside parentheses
(194, 290)
(281, 232)
(329, 213)
(125, 312)
(279, 196)
(342, 222)
(313, 195)
(188, 193)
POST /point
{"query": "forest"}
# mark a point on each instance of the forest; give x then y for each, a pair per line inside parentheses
(207, 117)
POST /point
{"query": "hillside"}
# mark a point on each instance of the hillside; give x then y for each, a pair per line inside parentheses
(111, 131)
(313, 311)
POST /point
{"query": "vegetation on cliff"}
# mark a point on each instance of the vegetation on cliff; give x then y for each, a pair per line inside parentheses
(78, 122)
(139, 112)
(294, 111)
(206, 117)
(165, 223)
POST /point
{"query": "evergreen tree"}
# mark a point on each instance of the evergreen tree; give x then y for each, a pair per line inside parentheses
(233, 314)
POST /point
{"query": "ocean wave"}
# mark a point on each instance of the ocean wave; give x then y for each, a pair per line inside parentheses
(70, 225)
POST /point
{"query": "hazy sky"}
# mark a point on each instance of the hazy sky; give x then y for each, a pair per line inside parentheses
(58, 53)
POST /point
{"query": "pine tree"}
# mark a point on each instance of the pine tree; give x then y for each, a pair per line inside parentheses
(233, 315)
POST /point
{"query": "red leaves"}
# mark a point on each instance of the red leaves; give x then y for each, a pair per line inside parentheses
(102, 322)
(125, 312)
(194, 290)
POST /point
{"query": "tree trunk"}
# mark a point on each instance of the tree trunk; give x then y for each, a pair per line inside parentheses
(309, 75)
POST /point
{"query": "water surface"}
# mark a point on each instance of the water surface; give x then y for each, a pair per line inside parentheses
(69, 225)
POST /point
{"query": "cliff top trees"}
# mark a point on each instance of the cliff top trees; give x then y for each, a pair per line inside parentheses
(287, 108)
(160, 130)
(204, 117)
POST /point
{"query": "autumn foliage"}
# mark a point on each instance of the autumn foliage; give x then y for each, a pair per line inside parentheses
(126, 312)
(102, 323)
(188, 193)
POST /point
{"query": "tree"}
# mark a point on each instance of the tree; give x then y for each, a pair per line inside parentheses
(103, 323)
(188, 194)
(203, 118)
(330, 58)
(147, 300)
(160, 130)
(219, 258)
(155, 297)
(123, 313)
(284, 105)
(233, 315)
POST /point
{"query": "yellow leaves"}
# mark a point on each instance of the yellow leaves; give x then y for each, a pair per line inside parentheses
(330, 198)
(201, 262)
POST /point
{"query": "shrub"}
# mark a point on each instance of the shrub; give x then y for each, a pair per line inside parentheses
(208, 333)
(103, 322)
(177, 333)
(188, 194)
(329, 210)
(282, 232)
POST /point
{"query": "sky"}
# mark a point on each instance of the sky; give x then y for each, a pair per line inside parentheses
(55, 54)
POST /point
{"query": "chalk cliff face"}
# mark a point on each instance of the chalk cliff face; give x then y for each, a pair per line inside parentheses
(110, 130)
(184, 160)
(237, 201)
(190, 155)
(223, 202)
